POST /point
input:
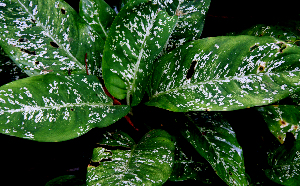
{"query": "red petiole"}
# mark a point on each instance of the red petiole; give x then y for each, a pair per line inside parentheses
(116, 102)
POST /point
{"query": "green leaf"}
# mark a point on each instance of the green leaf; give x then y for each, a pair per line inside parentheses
(9, 69)
(225, 73)
(282, 119)
(189, 166)
(55, 108)
(147, 163)
(136, 37)
(98, 14)
(190, 23)
(286, 31)
(214, 139)
(285, 165)
(48, 36)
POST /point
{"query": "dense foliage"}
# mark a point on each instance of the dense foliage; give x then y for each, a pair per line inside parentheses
(70, 73)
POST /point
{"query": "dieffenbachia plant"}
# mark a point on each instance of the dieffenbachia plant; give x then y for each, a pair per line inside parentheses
(76, 65)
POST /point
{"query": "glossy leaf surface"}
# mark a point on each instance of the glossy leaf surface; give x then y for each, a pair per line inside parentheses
(55, 108)
(136, 37)
(282, 119)
(225, 73)
(190, 167)
(98, 14)
(48, 36)
(214, 139)
(147, 163)
(285, 165)
(191, 16)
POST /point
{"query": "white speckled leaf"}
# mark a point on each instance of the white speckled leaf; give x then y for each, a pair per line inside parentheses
(191, 16)
(55, 108)
(147, 163)
(282, 119)
(98, 14)
(214, 139)
(225, 73)
(9, 69)
(48, 36)
(136, 37)
(286, 31)
(285, 165)
(188, 165)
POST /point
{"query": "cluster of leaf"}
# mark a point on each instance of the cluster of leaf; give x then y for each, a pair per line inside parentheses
(149, 53)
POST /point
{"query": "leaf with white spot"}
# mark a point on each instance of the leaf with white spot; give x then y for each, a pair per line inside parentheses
(282, 119)
(286, 31)
(147, 163)
(225, 73)
(191, 16)
(56, 108)
(214, 139)
(188, 165)
(285, 165)
(9, 69)
(137, 35)
(48, 36)
(98, 14)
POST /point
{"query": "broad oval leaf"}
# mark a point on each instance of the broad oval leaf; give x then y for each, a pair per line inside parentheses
(147, 163)
(214, 139)
(55, 108)
(48, 36)
(136, 37)
(98, 14)
(282, 119)
(225, 73)
(285, 165)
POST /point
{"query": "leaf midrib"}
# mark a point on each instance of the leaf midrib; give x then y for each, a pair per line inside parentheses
(136, 68)
(57, 107)
(212, 81)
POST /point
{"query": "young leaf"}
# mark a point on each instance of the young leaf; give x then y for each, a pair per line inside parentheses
(147, 163)
(225, 73)
(136, 37)
(282, 119)
(98, 14)
(55, 108)
(214, 139)
(48, 36)
(190, 23)
(285, 165)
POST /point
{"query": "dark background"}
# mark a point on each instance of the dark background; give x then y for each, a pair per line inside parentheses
(35, 163)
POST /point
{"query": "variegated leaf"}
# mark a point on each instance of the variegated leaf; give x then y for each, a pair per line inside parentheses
(284, 165)
(136, 37)
(214, 139)
(225, 73)
(98, 14)
(147, 163)
(282, 119)
(191, 16)
(48, 36)
(55, 108)
(9, 69)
